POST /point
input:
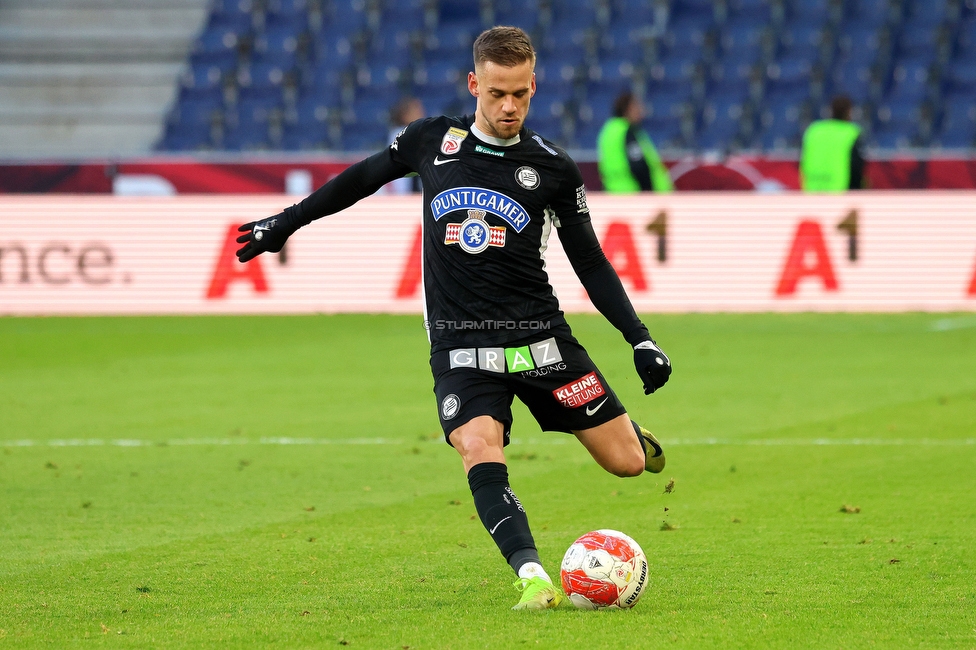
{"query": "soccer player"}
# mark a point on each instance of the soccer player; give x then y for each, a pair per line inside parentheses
(493, 192)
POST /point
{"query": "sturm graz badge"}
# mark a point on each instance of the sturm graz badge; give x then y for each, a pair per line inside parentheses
(474, 234)
(450, 406)
(527, 177)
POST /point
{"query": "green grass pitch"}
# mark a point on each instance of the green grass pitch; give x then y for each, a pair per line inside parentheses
(256, 481)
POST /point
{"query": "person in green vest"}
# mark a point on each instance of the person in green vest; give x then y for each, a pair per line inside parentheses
(830, 158)
(627, 159)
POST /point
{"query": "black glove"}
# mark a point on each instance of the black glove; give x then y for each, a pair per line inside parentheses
(653, 365)
(265, 236)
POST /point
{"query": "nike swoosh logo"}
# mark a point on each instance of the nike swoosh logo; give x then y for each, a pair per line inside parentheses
(438, 161)
(492, 531)
(591, 411)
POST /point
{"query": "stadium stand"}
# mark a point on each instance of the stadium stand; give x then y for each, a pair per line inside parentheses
(96, 77)
(726, 75)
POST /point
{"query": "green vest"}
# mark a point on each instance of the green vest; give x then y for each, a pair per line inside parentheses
(614, 166)
(825, 161)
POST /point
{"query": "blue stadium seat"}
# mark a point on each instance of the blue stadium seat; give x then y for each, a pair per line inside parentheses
(255, 105)
(332, 47)
(874, 12)
(234, 16)
(810, 12)
(365, 137)
(717, 135)
(918, 39)
(958, 129)
(520, 13)
(186, 137)
(314, 107)
(677, 70)
(451, 40)
(571, 13)
(689, 34)
(859, 41)
(699, 9)
(801, 40)
(202, 76)
(306, 136)
(200, 109)
(246, 136)
(637, 14)
(854, 79)
(348, 16)
(780, 132)
(563, 38)
(664, 133)
(457, 11)
(928, 12)
(893, 137)
(789, 73)
(966, 38)
(371, 109)
(407, 16)
(910, 80)
(759, 11)
(960, 74)
(262, 76)
(276, 48)
(780, 118)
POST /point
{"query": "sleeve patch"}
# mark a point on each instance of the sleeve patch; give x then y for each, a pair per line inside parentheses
(581, 207)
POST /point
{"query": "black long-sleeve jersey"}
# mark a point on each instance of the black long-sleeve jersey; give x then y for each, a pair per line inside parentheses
(489, 209)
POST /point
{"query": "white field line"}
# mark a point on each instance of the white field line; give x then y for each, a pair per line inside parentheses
(553, 440)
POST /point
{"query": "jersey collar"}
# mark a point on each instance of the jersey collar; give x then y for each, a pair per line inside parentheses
(488, 139)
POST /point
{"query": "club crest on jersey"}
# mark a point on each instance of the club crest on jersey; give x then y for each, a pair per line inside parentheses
(451, 143)
(527, 177)
(477, 198)
(474, 234)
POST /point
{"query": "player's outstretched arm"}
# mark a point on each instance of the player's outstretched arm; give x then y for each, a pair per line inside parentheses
(353, 184)
(607, 294)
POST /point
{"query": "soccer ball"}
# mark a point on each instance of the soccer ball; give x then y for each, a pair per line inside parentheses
(604, 569)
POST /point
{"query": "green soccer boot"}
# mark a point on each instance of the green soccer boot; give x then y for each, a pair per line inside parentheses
(537, 593)
(653, 454)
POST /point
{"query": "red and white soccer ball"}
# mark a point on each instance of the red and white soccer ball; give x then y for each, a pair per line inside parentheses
(604, 569)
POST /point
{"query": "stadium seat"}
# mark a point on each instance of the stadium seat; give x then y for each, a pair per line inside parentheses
(810, 12)
(186, 137)
(520, 13)
(801, 40)
(307, 136)
(929, 13)
(874, 12)
(910, 81)
(364, 137)
(246, 136)
(958, 128)
(854, 78)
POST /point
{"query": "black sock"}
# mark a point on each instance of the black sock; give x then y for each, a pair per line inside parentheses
(502, 513)
(640, 438)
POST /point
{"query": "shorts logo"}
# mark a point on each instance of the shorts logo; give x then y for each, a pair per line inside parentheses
(522, 359)
(527, 177)
(450, 406)
(474, 235)
(577, 393)
(451, 143)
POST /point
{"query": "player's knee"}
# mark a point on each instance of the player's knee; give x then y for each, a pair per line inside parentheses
(628, 465)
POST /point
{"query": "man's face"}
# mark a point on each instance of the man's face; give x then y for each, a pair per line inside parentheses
(503, 97)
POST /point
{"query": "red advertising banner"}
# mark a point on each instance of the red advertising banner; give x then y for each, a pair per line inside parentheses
(870, 251)
(302, 175)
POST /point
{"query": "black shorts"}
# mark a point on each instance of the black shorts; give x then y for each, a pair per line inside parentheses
(552, 375)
